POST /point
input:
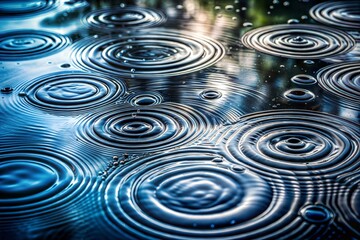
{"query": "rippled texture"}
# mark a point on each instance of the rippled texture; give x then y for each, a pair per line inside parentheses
(145, 129)
(348, 203)
(343, 81)
(30, 44)
(144, 99)
(343, 14)
(74, 91)
(287, 142)
(148, 54)
(300, 41)
(38, 180)
(11, 8)
(193, 194)
(118, 19)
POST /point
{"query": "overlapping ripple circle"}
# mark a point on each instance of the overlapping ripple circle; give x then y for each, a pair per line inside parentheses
(179, 120)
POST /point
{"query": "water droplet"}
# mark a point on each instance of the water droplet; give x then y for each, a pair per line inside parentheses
(316, 214)
(179, 7)
(229, 7)
(22, 94)
(217, 160)
(237, 168)
(309, 62)
(65, 65)
(7, 90)
(293, 21)
(132, 70)
(247, 24)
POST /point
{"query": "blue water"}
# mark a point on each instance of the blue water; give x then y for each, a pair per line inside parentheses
(179, 119)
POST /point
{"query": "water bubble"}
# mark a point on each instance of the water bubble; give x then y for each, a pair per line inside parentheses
(217, 8)
(179, 7)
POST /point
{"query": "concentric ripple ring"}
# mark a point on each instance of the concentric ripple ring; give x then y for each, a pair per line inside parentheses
(22, 8)
(300, 41)
(147, 54)
(118, 19)
(343, 14)
(184, 194)
(295, 141)
(145, 129)
(74, 91)
(38, 180)
(30, 44)
(342, 80)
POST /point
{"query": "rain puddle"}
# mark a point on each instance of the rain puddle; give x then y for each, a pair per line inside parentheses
(179, 119)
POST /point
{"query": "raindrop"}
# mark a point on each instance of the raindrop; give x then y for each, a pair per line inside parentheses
(316, 214)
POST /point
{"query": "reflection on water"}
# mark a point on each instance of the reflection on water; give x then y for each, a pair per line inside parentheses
(180, 119)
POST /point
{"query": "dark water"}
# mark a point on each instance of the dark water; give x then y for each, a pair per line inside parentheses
(179, 119)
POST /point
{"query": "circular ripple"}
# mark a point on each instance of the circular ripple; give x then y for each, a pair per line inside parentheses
(30, 44)
(303, 79)
(301, 41)
(342, 80)
(299, 95)
(116, 19)
(74, 91)
(287, 141)
(210, 94)
(348, 203)
(345, 14)
(144, 99)
(153, 128)
(11, 8)
(197, 194)
(38, 180)
(148, 55)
